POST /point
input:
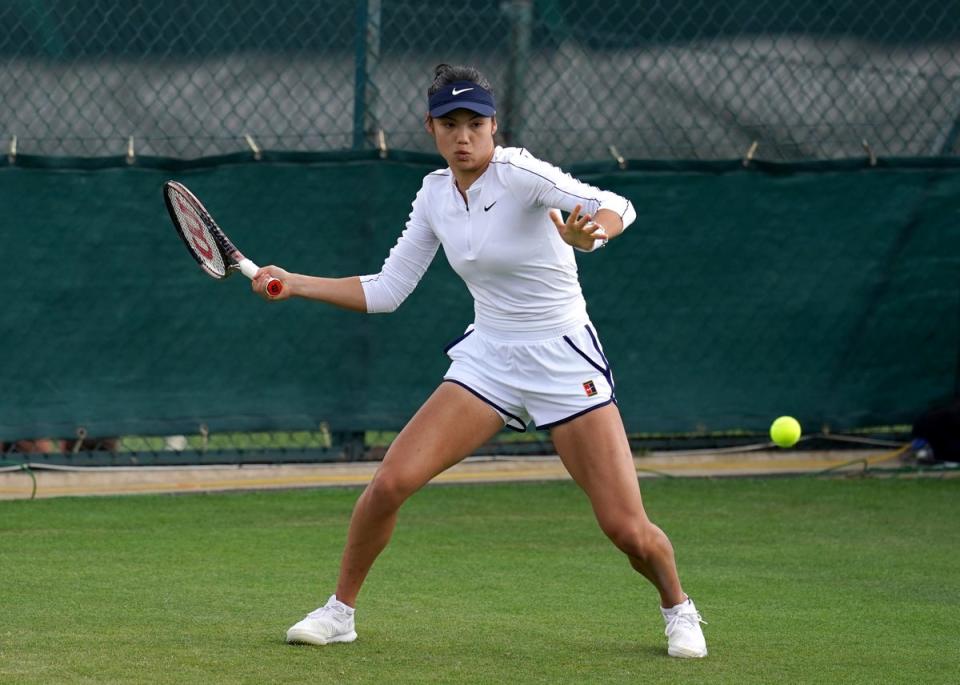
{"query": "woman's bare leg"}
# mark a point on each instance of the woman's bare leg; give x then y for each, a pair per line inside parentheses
(594, 449)
(449, 426)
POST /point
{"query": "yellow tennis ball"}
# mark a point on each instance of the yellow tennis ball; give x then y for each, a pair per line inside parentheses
(785, 431)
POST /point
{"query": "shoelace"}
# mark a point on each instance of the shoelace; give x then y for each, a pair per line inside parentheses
(691, 619)
(336, 611)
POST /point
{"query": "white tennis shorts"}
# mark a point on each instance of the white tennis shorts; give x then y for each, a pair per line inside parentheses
(548, 381)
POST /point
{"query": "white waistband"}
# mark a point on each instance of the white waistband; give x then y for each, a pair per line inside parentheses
(502, 335)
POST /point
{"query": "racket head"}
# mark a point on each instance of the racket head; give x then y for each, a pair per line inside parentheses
(211, 249)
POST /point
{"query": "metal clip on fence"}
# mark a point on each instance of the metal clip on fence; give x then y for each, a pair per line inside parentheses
(131, 153)
(81, 436)
(872, 158)
(257, 154)
(621, 162)
(382, 143)
(204, 437)
(12, 152)
(751, 151)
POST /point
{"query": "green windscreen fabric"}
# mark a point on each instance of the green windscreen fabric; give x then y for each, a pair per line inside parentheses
(827, 291)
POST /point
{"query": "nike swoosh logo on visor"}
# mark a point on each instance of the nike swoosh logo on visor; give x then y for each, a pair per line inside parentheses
(457, 92)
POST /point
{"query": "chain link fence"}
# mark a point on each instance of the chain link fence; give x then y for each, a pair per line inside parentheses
(576, 80)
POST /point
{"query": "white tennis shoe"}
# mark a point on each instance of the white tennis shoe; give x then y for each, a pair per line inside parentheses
(333, 622)
(684, 636)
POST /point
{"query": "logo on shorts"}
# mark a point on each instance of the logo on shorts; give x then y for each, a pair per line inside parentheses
(590, 388)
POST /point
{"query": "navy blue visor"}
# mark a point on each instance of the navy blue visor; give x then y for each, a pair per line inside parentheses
(462, 95)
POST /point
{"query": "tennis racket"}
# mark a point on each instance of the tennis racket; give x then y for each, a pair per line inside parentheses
(206, 241)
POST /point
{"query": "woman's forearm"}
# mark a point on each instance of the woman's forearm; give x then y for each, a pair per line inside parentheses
(340, 292)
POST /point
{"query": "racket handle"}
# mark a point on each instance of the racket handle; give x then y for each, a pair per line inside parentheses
(249, 269)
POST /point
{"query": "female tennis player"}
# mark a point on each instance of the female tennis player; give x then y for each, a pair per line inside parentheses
(531, 353)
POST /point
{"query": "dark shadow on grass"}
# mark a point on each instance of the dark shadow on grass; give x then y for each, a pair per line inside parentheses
(616, 650)
(651, 651)
(336, 646)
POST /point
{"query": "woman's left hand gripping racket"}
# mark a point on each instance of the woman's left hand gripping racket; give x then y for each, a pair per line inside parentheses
(208, 244)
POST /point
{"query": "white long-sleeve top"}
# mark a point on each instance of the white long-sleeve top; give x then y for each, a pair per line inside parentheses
(501, 242)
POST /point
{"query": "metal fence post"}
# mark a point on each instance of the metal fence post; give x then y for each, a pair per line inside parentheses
(366, 58)
(520, 14)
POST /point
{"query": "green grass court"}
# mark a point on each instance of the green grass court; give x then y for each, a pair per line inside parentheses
(800, 579)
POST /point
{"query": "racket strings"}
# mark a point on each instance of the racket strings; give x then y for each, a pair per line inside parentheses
(198, 234)
(227, 247)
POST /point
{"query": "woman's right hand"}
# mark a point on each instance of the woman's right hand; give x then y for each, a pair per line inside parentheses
(263, 276)
(579, 231)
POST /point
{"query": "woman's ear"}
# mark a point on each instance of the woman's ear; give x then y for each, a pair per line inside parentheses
(428, 124)
(494, 124)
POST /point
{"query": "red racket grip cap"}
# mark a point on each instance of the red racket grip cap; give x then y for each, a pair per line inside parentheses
(274, 287)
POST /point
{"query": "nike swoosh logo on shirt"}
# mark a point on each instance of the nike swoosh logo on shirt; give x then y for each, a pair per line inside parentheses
(487, 208)
(457, 92)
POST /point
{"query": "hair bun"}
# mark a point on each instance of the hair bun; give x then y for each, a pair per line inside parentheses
(445, 74)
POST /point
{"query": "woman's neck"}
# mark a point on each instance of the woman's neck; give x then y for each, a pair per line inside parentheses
(465, 179)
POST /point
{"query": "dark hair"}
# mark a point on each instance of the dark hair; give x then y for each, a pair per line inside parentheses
(445, 74)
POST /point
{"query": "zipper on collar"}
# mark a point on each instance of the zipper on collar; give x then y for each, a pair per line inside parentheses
(470, 242)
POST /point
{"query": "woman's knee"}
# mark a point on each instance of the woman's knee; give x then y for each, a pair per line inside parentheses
(633, 538)
(389, 490)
